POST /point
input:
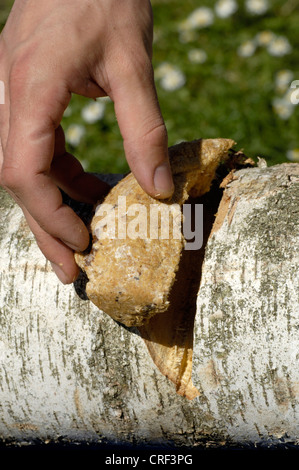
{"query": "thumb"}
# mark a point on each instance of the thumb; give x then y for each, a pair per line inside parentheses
(143, 130)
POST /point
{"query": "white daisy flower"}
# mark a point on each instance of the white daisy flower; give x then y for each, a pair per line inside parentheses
(247, 49)
(264, 38)
(279, 46)
(288, 97)
(293, 92)
(74, 134)
(93, 111)
(105, 99)
(163, 69)
(173, 80)
(293, 155)
(226, 8)
(257, 7)
(187, 35)
(283, 78)
(185, 25)
(197, 56)
(282, 107)
(200, 18)
(171, 77)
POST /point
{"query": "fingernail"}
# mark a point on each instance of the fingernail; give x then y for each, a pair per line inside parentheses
(60, 273)
(163, 181)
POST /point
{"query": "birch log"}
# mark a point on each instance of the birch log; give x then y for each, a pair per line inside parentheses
(69, 373)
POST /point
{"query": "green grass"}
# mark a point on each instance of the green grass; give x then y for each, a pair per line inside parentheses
(225, 96)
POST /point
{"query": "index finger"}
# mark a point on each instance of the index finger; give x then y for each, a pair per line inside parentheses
(142, 126)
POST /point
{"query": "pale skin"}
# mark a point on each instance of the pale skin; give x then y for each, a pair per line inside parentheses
(49, 50)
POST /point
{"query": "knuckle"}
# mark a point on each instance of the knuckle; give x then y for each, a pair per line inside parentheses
(142, 66)
(131, 63)
(154, 132)
(10, 178)
(16, 74)
(21, 68)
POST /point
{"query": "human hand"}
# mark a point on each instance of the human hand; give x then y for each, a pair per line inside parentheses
(49, 50)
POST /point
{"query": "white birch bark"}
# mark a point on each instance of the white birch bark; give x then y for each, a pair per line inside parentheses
(69, 373)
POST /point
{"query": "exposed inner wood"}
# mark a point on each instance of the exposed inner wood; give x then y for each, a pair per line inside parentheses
(169, 336)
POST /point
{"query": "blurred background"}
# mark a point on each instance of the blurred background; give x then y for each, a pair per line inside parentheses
(223, 68)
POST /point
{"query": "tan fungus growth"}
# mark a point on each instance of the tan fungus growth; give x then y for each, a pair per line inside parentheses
(132, 279)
